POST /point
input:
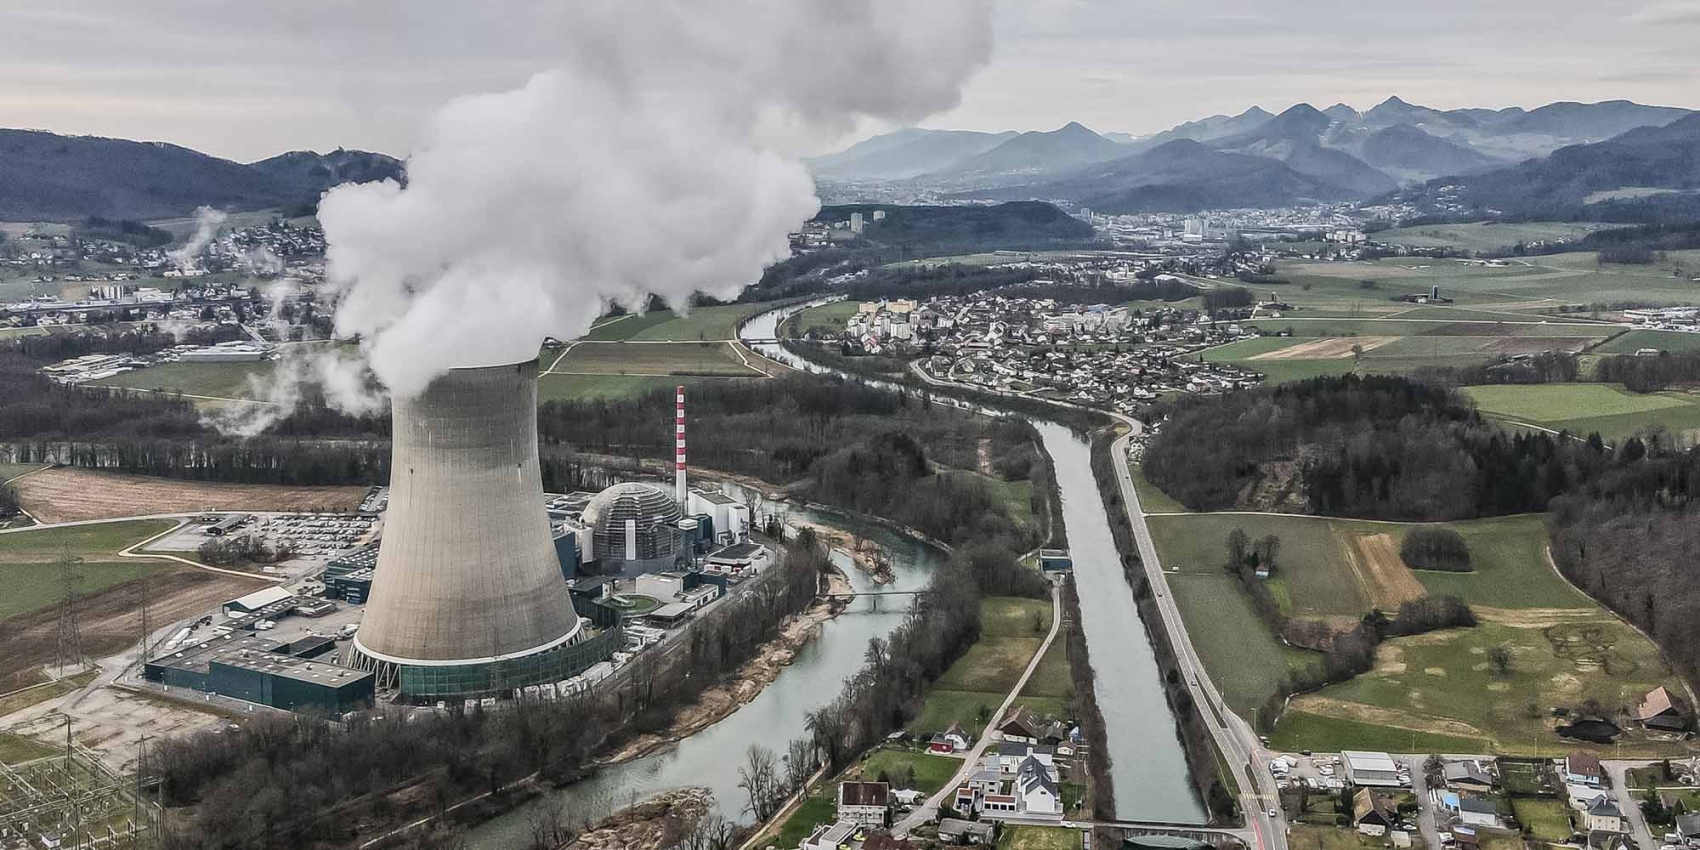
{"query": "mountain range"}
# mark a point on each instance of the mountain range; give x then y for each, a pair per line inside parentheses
(1254, 158)
(48, 177)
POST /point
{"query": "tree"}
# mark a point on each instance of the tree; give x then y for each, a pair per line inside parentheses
(759, 777)
(1500, 657)
(1237, 543)
(1270, 546)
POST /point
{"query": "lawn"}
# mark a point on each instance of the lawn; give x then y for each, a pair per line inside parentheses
(1546, 820)
(1245, 658)
(1315, 576)
(1304, 836)
(826, 320)
(1508, 555)
(944, 707)
(1051, 678)
(221, 380)
(931, 772)
(1676, 342)
(1004, 616)
(1152, 499)
(701, 323)
(15, 750)
(813, 812)
(1443, 683)
(1610, 410)
(606, 358)
(991, 665)
(1039, 838)
(29, 561)
(1300, 730)
(1485, 236)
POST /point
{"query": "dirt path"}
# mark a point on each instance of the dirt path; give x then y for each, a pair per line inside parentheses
(1378, 716)
(66, 494)
(1386, 579)
(1330, 348)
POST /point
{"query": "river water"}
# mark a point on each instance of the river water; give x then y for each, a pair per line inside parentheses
(1147, 762)
(1148, 765)
(712, 756)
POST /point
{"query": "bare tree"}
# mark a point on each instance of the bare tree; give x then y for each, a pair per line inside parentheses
(801, 760)
(759, 777)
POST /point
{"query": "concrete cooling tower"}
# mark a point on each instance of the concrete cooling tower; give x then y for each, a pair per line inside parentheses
(468, 598)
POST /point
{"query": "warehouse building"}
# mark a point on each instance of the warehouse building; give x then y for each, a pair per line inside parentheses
(292, 676)
(1370, 769)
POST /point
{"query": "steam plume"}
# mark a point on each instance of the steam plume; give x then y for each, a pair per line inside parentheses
(207, 223)
(646, 163)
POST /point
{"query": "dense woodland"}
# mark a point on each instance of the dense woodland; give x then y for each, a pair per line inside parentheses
(1372, 447)
(301, 782)
(828, 440)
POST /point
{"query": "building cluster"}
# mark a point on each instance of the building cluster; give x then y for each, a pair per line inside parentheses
(816, 234)
(213, 302)
(1171, 231)
(1099, 355)
(1665, 318)
(90, 368)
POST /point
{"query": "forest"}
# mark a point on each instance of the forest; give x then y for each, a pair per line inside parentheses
(1372, 447)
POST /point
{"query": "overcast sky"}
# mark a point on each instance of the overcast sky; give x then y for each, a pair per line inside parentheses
(244, 80)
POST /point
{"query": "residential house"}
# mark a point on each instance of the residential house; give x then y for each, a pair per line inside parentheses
(1581, 768)
(865, 803)
(1370, 814)
(1688, 826)
(953, 831)
(1605, 840)
(1657, 712)
(1036, 785)
(1604, 816)
(885, 841)
(830, 836)
(1468, 776)
(952, 740)
(1020, 727)
(1010, 756)
(1478, 811)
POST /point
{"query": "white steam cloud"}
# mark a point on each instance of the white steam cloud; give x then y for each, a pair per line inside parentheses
(207, 223)
(644, 164)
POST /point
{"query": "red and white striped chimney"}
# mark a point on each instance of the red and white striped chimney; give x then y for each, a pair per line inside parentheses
(679, 449)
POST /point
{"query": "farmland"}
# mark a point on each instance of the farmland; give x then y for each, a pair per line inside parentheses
(29, 561)
(1486, 236)
(827, 319)
(1563, 646)
(700, 324)
(216, 380)
(67, 494)
(976, 684)
(1675, 342)
(1581, 409)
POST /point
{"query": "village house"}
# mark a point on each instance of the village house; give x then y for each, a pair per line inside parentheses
(830, 836)
(954, 831)
(1658, 713)
(1604, 816)
(1370, 814)
(865, 803)
(1583, 768)
(952, 740)
(1478, 811)
(1468, 776)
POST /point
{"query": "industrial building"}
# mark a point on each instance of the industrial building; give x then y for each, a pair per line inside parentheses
(635, 528)
(1373, 769)
(467, 598)
(293, 676)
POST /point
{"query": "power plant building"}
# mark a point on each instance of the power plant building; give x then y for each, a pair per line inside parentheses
(467, 598)
(635, 529)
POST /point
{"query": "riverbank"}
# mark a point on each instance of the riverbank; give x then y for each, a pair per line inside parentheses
(662, 822)
(747, 682)
(868, 556)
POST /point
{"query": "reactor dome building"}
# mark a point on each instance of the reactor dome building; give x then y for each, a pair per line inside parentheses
(467, 600)
(634, 529)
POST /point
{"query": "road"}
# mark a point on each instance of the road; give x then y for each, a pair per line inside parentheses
(1626, 802)
(1239, 744)
(1426, 823)
(928, 811)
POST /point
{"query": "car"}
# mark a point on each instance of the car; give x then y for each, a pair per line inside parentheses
(1275, 813)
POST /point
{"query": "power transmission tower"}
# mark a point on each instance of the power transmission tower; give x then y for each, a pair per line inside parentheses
(144, 625)
(70, 633)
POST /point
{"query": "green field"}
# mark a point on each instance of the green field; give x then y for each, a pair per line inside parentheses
(1546, 820)
(825, 320)
(218, 380)
(1039, 838)
(1485, 236)
(1246, 659)
(700, 324)
(9, 471)
(1314, 576)
(813, 812)
(1300, 730)
(1152, 499)
(931, 772)
(1610, 410)
(1676, 342)
(658, 360)
(29, 561)
(978, 682)
(16, 750)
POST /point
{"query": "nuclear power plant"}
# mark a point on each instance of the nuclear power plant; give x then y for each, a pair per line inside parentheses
(467, 597)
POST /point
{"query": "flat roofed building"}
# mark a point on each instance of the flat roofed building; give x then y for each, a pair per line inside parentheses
(1367, 768)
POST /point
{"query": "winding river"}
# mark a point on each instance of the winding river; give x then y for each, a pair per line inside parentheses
(1147, 762)
(1148, 765)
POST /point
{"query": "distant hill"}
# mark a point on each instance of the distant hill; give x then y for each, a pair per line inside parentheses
(905, 153)
(1560, 185)
(1187, 176)
(1340, 149)
(1035, 153)
(49, 177)
(1021, 224)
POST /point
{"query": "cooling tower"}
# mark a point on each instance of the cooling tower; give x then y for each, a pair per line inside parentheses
(468, 597)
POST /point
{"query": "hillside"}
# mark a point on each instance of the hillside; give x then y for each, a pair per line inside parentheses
(1407, 152)
(1035, 153)
(904, 153)
(49, 177)
(1186, 176)
(1559, 186)
(1013, 225)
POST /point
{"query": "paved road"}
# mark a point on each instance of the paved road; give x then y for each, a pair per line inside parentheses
(1238, 742)
(1627, 802)
(1426, 823)
(928, 811)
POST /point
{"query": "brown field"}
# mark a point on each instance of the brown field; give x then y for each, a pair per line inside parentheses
(1385, 578)
(67, 495)
(1329, 348)
(111, 619)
